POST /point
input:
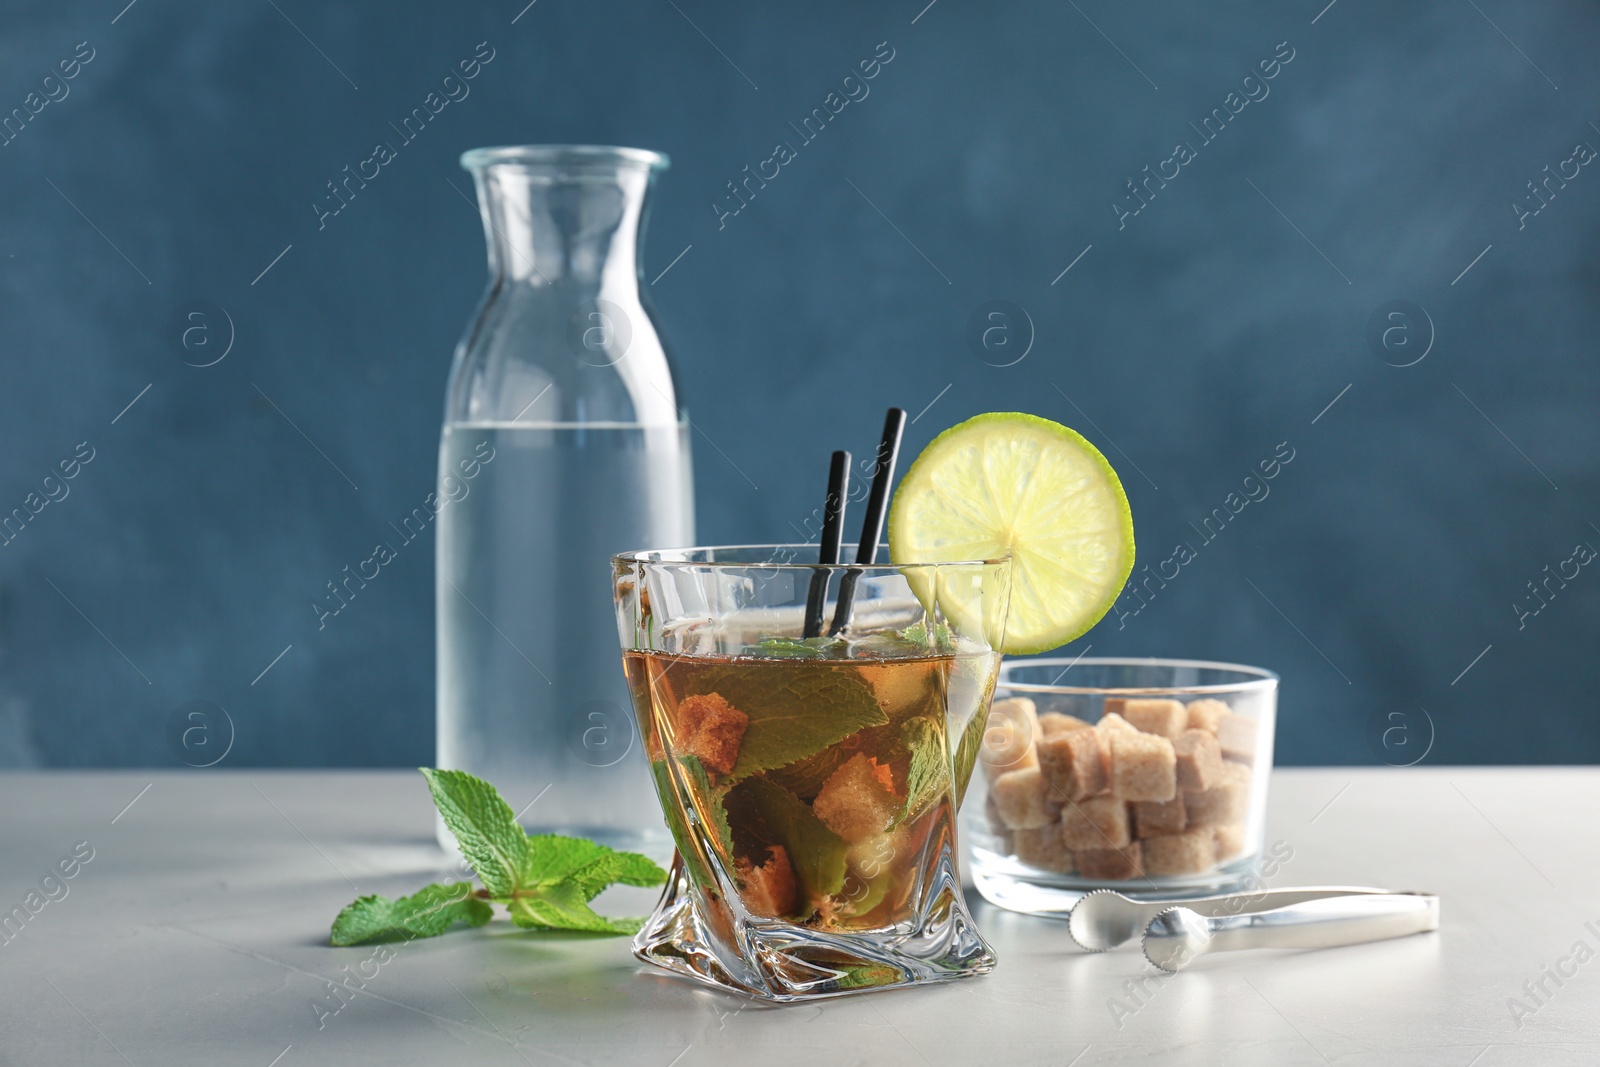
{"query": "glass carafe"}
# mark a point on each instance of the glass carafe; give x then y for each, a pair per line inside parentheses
(563, 444)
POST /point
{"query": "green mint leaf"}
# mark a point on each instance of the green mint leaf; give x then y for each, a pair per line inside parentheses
(867, 975)
(552, 858)
(966, 757)
(564, 907)
(695, 860)
(817, 853)
(796, 710)
(806, 777)
(707, 802)
(798, 647)
(928, 777)
(592, 880)
(642, 870)
(860, 896)
(938, 638)
(546, 880)
(484, 826)
(428, 912)
(887, 644)
(968, 691)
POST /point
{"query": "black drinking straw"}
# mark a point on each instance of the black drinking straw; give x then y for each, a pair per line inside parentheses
(894, 425)
(832, 537)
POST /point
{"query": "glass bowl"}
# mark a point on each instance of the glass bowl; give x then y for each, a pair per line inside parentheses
(1148, 776)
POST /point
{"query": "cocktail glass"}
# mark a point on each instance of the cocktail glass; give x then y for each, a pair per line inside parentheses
(810, 784)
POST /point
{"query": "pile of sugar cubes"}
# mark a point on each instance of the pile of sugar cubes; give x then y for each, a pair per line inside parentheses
(1156, 787)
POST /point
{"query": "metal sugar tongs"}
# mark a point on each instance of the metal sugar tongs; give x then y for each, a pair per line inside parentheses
(1176, 932)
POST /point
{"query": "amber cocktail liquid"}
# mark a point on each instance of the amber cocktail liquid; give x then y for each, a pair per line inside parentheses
(811, 786)
(828, 818)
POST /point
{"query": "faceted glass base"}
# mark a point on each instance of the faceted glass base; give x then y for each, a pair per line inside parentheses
(699, 936)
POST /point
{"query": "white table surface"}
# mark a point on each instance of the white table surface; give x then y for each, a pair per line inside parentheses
(198, 934)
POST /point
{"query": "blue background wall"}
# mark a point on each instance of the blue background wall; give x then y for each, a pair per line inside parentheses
(1212, 326)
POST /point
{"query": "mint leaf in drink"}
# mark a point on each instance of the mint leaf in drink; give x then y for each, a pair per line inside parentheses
(966, 755)
(818, 854)
(798, 647)
(484, 826)
(936, 638)
(969, 690)
(887, 644)
(694, 857)
(804, 778)
(906, 689)
(928, 776)
(801, 715)
(861, 896)
(707, 801)
(428, 912)
(866, 975)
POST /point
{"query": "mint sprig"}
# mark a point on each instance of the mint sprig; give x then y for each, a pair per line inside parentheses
(545, 881)
(428, 912)
(485, 828)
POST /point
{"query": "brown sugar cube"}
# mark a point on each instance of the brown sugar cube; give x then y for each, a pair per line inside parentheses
(1226, 802)
(1199, 761)
(1112, 723)
(769, 890)
(997, 826)
(991, 810)
(1110, 864)
(1073, 765)
(993, 767)
(1237, 736)
(711, 729)
(1020, 798)
(1044, 848)
(1053, 722)
(1206, 714)
(1167, 718)
(1112, 706)
(856, 801)
(1229, 840)
(1019, 706)
(1143, 767)
(1188, 853)
(1154, 817)
(1240, 776)
(1096, 823)
(1008, 737)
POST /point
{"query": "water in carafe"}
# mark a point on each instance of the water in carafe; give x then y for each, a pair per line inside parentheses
(563, 442)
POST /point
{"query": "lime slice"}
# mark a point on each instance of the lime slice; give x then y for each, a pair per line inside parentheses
(1008, 484)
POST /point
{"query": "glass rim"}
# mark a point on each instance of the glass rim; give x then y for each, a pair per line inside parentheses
(637, 557)
(555, 155)
(1260, 678)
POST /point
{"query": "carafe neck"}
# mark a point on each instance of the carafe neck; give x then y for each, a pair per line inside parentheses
(564, 217)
